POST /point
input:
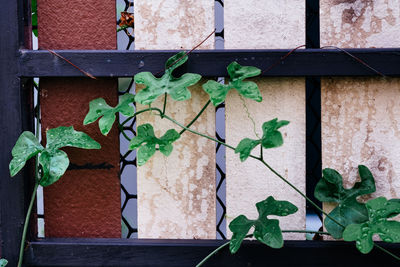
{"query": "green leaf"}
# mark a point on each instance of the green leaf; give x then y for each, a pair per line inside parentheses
(271, 138)
(34, 19)
(26, 147)
(176, 60)
(379, 210)
(349, 210)
(54, 164)
(99, 108)
(240, 226)
(267, 231)
(175, 87)
(237, 73)
(3, 262)
(145, 141)
(66, 136)
(245, 147)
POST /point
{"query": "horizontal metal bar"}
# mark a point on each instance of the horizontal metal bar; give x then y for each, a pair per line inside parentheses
(211, 63)
(130, 252)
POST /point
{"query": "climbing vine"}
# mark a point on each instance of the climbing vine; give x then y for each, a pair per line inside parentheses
(351, 220)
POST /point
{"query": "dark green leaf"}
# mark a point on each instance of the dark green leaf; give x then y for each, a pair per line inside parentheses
(267, 231)
(245, 147)
(54, 164)
(240, 226)
(98, 108)
(379, 210)
(175, 87)
(34, 17)
(349, 210)
(271, 136)
(26, 147)
(146, 142)
(237, 73)
(3, 262)
(176, 61)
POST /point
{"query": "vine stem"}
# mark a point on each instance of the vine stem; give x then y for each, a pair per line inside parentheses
(197, 116)
(215, 251)
(274, 172)
(186, 128)
(26, 224)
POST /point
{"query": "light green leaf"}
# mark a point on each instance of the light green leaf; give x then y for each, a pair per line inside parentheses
(217, 91)
(349, 210)
(271, 136)
(267, 231)
(145, 141)
(66, 136)
(175, 87)
(379, 210)
(26, 147)
(245, 147)
(99, 108)
(54, 164)
(3, 262)
(237, 73)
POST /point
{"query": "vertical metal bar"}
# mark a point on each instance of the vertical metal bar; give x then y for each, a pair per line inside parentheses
(13, 103)
(313, 106)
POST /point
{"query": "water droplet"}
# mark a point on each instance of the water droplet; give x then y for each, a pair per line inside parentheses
(141, 64)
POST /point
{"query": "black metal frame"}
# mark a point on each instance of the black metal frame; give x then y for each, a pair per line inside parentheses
(18, 64)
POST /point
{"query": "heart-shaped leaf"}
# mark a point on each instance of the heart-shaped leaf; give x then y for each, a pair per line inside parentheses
(379, 210)
(99, 108)
(26, 147)
(53, 161)
(349, 210)
(267, 231)
(237, 73)
(146, 142)
(175, 87)
(271, 138)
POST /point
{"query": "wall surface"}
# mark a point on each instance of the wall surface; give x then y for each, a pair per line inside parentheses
(86, 201)
(176, 194)
(249, 25)
(361, 116)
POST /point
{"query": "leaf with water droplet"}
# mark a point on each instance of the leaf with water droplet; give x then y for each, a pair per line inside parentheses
(54, 164)
(99, 108)
(146, 141)
(271, 138)
(379, 210)
(26, 147)
(349, 210)
(267, 231)
(167, 84)
(237, 73)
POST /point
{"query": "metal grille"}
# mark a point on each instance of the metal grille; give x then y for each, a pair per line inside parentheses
(128, 166)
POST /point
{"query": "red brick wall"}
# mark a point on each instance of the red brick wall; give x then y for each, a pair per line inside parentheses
(85, 202)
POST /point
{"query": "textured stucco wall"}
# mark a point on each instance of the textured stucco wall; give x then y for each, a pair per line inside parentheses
(85, 202)
(266, 24)
(176, 194)
(361, 116)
